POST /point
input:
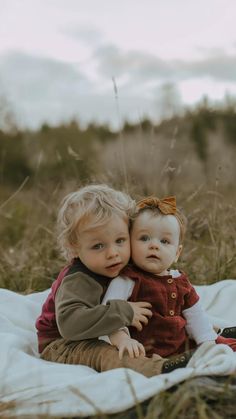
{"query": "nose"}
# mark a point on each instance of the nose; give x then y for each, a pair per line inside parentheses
(112, 252)
(154, 244)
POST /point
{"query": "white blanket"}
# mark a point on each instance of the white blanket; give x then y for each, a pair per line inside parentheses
(40, 387)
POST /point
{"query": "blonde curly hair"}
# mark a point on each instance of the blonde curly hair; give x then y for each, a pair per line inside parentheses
(93, 206)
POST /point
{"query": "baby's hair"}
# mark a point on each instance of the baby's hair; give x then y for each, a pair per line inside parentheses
(163, 207)
(91, 206)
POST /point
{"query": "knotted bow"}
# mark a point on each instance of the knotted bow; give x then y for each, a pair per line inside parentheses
(165, 205)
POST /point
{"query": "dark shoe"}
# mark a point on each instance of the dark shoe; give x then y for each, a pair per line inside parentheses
(178, 361)
(229, 332)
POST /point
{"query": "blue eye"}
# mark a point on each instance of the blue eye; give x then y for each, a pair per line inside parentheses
(165, 241)
(120, 240)
(97, 246)
(144, 238)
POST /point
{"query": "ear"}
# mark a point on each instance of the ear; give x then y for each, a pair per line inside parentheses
(179, 250)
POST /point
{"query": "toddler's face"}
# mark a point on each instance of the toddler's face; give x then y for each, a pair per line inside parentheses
(105, 250)
(155, 242)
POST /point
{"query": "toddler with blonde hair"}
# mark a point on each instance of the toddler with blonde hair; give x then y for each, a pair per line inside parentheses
(93, 227)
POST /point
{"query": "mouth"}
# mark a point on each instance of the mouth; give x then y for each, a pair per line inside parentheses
(114, 266)
(153, 257)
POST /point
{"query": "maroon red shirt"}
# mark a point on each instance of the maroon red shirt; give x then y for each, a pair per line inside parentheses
(46, 325)
(165, 332)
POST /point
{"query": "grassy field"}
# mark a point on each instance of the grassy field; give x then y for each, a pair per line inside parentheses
(29, 259)
(191, 157)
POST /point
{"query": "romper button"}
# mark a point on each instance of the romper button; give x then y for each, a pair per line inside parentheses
(171, 312)
(169, 280)
(173, 295)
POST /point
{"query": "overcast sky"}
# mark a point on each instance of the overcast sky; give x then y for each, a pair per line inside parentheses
(58, 57)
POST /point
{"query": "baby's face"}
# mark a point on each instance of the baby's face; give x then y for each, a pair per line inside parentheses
(105, 250)
(155, 242)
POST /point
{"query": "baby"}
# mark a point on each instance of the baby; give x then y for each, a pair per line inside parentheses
(178, 321)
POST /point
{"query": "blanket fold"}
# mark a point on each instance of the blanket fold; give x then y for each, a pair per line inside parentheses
(33, 386)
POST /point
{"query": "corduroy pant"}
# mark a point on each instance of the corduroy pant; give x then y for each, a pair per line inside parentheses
(100, 356)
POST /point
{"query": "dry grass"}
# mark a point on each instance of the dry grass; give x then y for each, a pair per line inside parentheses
(197, 398)
(151, 164)
(29, 259)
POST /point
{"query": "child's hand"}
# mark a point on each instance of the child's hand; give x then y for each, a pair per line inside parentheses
(141, 314)
(124, 343)
(132, 346)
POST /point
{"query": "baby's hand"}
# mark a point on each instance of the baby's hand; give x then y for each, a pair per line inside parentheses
(132, 346)
(124, 343)
(141, 314)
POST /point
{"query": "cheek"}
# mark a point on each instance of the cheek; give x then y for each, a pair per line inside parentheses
(128, 244)
(127, 250)
(96, 260)
(171, 254)
(136, 249)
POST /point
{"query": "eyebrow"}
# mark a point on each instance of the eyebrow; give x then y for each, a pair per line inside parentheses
(165, 233)
(118, 235)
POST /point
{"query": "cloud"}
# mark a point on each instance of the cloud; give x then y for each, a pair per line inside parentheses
(42, 89)
(45, 90)
(141, 67)
(40, 75)
(220, 67)
(112, 61)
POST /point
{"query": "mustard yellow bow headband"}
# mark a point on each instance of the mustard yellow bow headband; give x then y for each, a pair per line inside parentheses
(165, 205)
